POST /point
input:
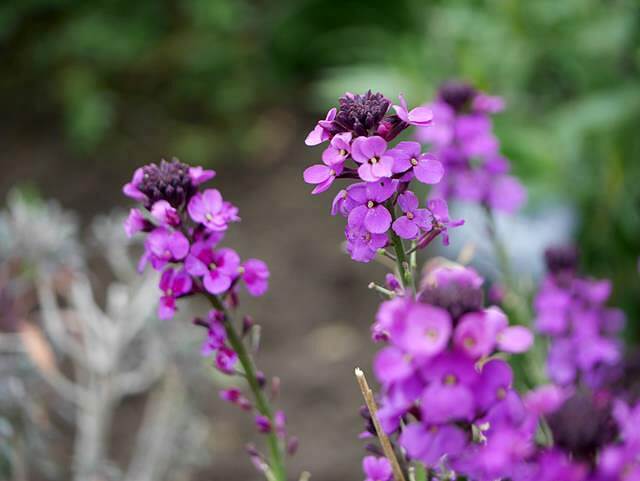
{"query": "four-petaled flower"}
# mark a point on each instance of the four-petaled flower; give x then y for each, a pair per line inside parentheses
(173, 285)
(370, 153)
(408, 226)
(210, 210)
(376, 469)
(218, 268)
(407, 156)
(369, 211)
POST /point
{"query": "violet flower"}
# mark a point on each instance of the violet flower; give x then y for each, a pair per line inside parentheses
(414, 220)
(173, 284)
(376, 469)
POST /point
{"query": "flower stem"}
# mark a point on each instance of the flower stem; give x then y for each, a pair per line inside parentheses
(262, 404)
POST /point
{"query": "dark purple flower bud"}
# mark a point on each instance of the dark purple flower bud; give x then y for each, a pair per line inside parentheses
(390, 127)
(456, 289)
(262, 380)
(170, 181)
(561, 259)
(458, 95)
(263, 424)
(247, 324)
(583, 424)
(292, 445)
(374, 449)
(360, 114)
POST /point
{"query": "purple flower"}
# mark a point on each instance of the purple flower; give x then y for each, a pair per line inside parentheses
(255, 274)
(165, 214)
(209, 209)
(440, 212)
(369, 152)
(408, 156)
(333, 159)
(218, 268)
(163, 246)
(170, 181)
(135, 222)
(392, 365)
(320, 133)
(263, 423)
(376, 469)
(369, 211)
(408, 226)
(429, 445)
(420, 116)
(226, 360)
(506, 194)
(235, 396)
(173, 284)
(424, 332)
(546, 399)
(362, 245)
(216, 334)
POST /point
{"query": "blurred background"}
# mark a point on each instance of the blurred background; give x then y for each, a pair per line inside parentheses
(93, 89)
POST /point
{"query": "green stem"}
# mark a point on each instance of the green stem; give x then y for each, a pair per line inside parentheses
(262, 404)
(406, 275)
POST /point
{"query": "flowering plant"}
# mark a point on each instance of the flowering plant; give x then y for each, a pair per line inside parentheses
(448, 405)
(184, 225)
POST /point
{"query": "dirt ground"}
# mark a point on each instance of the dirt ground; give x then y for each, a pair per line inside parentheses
(315, 318)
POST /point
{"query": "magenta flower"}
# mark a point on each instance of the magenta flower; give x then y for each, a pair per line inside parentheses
(234, 396)
(429, 445)
(409, 225)
(440, 212)
(370, 212)
(369, 152)
(131, 189)
(210, 210)
(362, 244)
(263, 423)
(376, 469)
(216, 334)
(255, 275)
(218, 268)
(226, 360)
(165, 214)
(163, 246)
(173, 284)
(320, 133)
(333, 159)
(425, 331)
(135, 222)
(407, 156)
(392, 365)
(420, 116)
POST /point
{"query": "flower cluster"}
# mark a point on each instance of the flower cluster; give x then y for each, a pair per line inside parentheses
(379, 205)
(462, 137)
(444, 381)
(594, 436)
(571, 311)
(184, 225)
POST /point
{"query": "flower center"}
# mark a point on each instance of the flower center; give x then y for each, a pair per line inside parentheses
(366, 237)
(469, 342)
(374, 160)
(432, 334)
(332, 172)
(167, 254)
(414, 161)
(450, 380)
(370, 204)
(241, 270)
(343, 153)
(213, 266)
(501, 393)
(208, 216)
(170, 292)
(410, 215)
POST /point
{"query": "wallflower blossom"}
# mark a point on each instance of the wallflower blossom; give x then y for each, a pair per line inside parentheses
(462, 138)
(184, 225)
(359, 132)
(376, 469)
(173, 284)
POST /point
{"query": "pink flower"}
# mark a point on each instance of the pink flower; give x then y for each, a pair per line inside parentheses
(420, 116)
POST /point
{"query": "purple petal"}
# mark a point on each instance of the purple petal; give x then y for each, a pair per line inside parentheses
(429, 170)
(516, 339)
(178, 245)
(507, 194)
(166, 308)
(420, 116)
(324, 186)
(373, 146)
(366, 173)
(408, 201)
(216, 282)
(316, 174)
(383, 168)
(405, 228)
(391, 365)
(200, 176)
(377, 220)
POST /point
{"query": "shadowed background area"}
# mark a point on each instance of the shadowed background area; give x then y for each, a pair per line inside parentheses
(91, 90)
